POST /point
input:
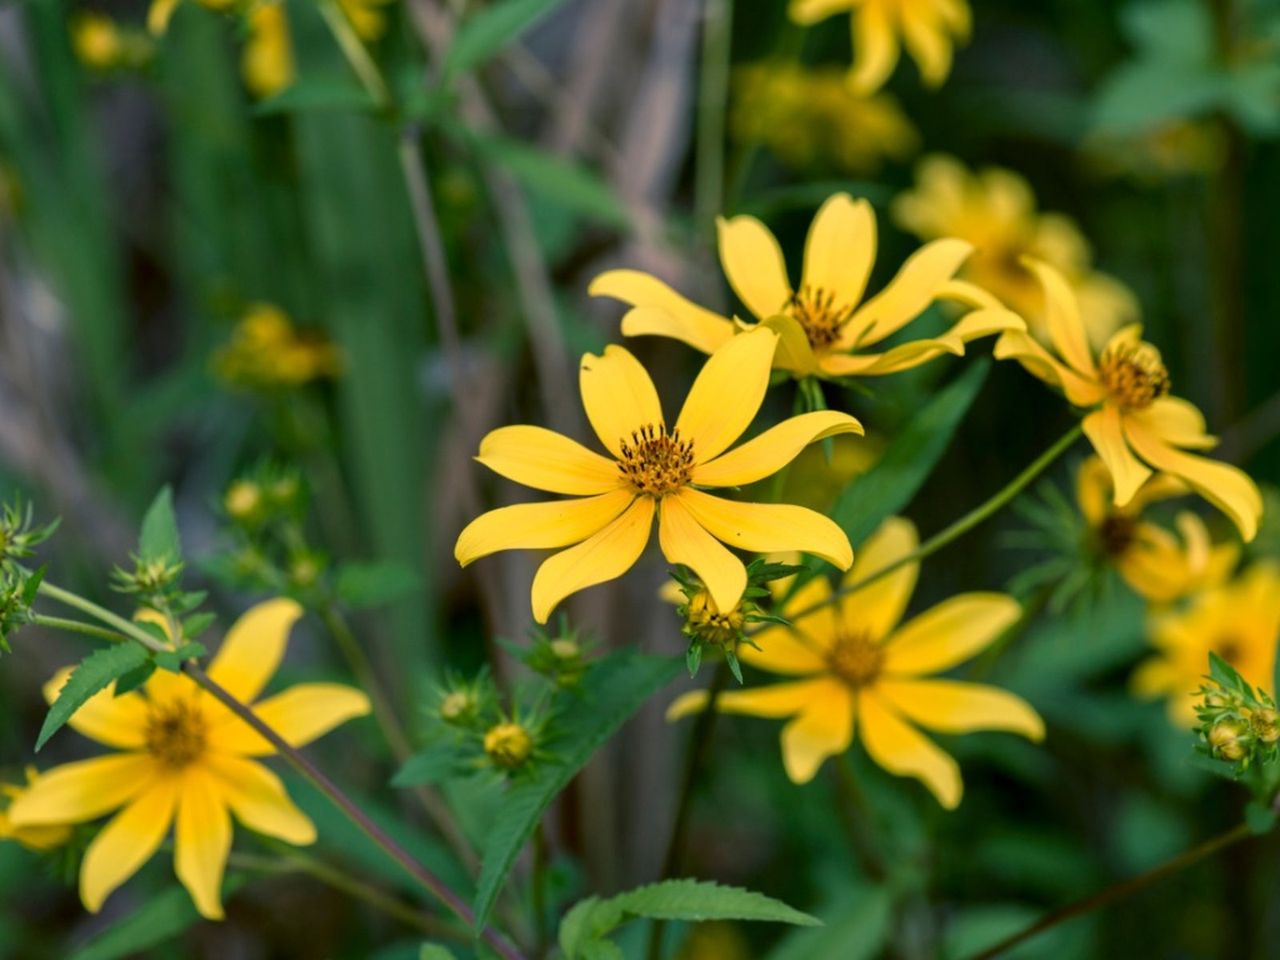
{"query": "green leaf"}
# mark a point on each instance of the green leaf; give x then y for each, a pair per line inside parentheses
(584, 923)
(432, 765)
(433, 951)
(312, 93)
(1178, 31)
(135, 678)
(889, 486)
(483, 34)
(613, 689)
(857, 926)
(159, 537)
(1144, 93)
(363, 585)
(1261, 817)
(698, 900)
(93, 674)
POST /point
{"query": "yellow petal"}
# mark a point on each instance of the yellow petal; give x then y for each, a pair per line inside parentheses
(618, 396)
(659, 310)
(1020, 346)
(1093, 491)
(84, 790)
(876, 609)
(1105, 431)
(840, 249)
(254, 647)
(299, 715)
(769, 527)
(259, 801)
(806, 12)
(949, 633)
(608, 554)
(901, 749)
(824, 728)
(684, 540)
(116, 721)
(794, 353)
(779, 700)
(1177, 422)
(727, 393)
(546, 460)
(927, 42)
(539, 526)
(753, 262)
(875, 48)
(1062, 315)
(127, 841)
(766, 454)
(202, 840)
(908, 294)
(950, 706)
(800, 646)
(159, 14)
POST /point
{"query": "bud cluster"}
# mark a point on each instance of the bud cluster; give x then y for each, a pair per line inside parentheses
(560, 658)
(19, 533)
(266, 507)
(470, 722)
(1238, 724)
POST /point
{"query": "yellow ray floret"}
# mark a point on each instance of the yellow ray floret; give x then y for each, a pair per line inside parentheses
(653, 471)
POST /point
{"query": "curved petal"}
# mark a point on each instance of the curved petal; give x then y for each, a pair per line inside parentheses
(539, 526)
(824, 728)
(202, 841)
(875, 48)
(769, 527)
(1177, 422)
(618, 396)
(727, 393)
(1093, 490)
(127, 841)
(546, 460)
(927, 41)
(766, 454)
(951, 706)
(299, 715)
(116, 721)
(753, 262)
(1062, 315)
(778, 700)
(807, 12)
(908, 294)
(875, 609)
(949, 633)
(794, 353)
(253, 648)
(684, 540)
(603, 556)
(901, 749)
(1020, 346)
(84, 790)
(158, 16)
(1105, 431)
(799, 647)
(259, 800)
(658, 309)
(840, 249)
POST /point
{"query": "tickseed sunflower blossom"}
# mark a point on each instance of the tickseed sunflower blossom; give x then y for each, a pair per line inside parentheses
(858, 669)
(187, 761)
(1158, 564)
(1238, 620)
(995, 210)
(929, 29)
(1132, 421)
(653, 470)
(266, 350)
(826, 326)
(38, 838)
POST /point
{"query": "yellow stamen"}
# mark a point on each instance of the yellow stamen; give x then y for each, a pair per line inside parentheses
(856, 660)
(656, 462)
(1134, 374)
(176, 733)
(819, 315)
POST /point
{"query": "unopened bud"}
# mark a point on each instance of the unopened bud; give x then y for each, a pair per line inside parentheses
(508, 745)
(1224, 738)
(243, 499)
(1265, 724)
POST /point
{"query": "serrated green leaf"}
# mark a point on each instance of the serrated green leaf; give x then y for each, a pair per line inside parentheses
(134, 678)
(585, 923)
(484, 33)
(432, 765)
(196, 624)
(363, 585)
(159, 537)
(889, 486)
(94, 673)
(857, 925)
(699, 900)
(612, 690)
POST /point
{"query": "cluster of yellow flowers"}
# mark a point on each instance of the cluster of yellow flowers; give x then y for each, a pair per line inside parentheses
(266, 350)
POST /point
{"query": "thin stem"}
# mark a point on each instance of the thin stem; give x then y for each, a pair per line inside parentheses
(694, 760)
(131, 630)
(713, 95)
(357, 56)
(428, 880)
(855, 817)
(1117, 892)
(78, 626)
(959, 527)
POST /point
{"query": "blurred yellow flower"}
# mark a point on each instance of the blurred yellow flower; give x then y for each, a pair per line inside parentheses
(1175, 148)
(1159, 565)
(95, 38)
(266, 350)
(161, 12)
(267, 61)
(366, 16)
(652, 471)
(861, 671)
(1238, 620)
(995, 210)
(38, 838)
(187, 760)
(809, 117)
(1132, 421)
(825, 325)
(929, 29)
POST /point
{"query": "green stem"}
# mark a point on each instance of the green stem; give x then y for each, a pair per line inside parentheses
(357, 56)
(959, 527)
(131, 630)
(855, 817)
(77, 626)
(713, 95)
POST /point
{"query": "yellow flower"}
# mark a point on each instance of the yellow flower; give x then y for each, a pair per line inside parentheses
(267, 62)
(1133, 422)
(995, 211)
(825, 325)
(861, 671)
(508, 745)
(653, 470)
(186, 761)
(1239, 621)
(810, 117)
(930, 30)
(38, 838)
(266, 350)
(366, 16)
(95, 38)
(161, 12)
(1157, 564)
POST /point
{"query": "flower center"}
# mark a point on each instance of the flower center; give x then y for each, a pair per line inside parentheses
(1229, 648)
(656, 462)
(175, 733)
(856, 660)
(819, 315)
(1116, 534)
(1134, 374)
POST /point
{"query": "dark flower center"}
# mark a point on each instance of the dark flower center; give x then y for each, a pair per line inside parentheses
(656, 462)
(176, 733)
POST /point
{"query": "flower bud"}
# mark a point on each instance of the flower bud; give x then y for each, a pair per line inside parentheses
(1225, 738)
(243, 500)
(1265, 724)
(508, 745)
